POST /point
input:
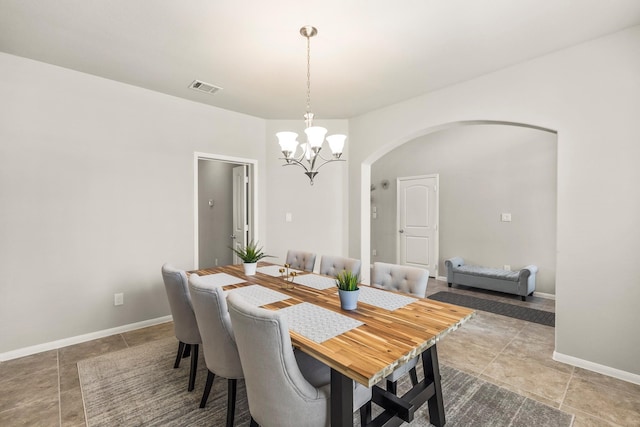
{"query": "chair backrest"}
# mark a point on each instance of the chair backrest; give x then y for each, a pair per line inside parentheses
(332, 265)
(184, 319)
(301, 260)
(278, 393)
(403, 278)
(210, 306)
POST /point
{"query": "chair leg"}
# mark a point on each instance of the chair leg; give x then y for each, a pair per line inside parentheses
(231, 401)
(179, 356)
(414, 376)
(253, 423)
(187, 351)
(365, 414)
(392, 387)
(207, 388)
(194, 367)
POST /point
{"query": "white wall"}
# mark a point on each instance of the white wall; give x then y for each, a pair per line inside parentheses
(319, 223)
(96, 192)
(589, 94)
(484, 170)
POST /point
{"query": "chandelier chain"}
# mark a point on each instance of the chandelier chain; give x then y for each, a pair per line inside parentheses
(308, 74)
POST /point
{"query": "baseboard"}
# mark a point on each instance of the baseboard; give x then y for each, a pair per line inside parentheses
(544, 295)
(27, 351)
(596, 367)
(442, 278)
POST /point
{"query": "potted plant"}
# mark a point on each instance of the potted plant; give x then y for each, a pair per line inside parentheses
(348, 289)
(250, 255)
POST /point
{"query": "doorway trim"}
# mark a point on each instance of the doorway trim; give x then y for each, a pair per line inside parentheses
(253, 194)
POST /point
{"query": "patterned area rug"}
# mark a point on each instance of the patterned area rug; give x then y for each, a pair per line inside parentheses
(139, 387)
(546, 318)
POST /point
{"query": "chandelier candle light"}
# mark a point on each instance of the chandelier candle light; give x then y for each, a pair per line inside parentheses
(310, 151)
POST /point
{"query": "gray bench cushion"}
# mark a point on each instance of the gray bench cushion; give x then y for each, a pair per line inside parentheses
(488, 272)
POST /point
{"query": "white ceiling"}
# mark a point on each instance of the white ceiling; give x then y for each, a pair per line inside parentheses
(368, 53)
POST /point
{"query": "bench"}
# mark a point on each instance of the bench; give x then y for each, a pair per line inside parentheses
(522, 282)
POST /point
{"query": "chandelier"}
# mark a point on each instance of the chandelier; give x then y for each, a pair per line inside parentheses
(310, 158)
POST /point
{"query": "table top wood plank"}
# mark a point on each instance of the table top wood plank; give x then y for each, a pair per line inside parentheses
(370, 352)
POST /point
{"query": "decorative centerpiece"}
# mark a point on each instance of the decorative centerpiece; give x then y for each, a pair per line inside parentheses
(348, 289)
(250, 255)
(287, 276)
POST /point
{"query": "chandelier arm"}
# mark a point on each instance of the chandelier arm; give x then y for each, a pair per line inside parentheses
(328, 161)
(323, 158)
(291, 162)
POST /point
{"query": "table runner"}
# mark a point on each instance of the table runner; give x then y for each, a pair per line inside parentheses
(259, 295)
(317, 323)
(384, 299)
(221, 279)
(316, 282)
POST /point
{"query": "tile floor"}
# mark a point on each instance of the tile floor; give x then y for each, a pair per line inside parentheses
(44, 390)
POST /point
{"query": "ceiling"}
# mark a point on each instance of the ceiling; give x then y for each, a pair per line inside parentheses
(368, 53)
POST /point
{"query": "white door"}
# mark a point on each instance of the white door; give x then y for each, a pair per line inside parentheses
(240, 234)
(417, 241)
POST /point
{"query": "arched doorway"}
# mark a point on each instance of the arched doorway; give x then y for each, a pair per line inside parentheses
(505, 155)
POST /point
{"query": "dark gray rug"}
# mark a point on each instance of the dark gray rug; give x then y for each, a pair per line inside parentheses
(139, 387)
(542, 317)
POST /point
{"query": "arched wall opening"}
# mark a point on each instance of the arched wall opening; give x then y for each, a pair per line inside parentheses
(487, 167)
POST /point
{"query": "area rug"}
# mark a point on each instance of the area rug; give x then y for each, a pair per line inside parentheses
(542, 317)
(139, 387)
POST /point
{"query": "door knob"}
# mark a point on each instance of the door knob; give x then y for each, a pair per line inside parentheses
(400, 231)
(233, 237)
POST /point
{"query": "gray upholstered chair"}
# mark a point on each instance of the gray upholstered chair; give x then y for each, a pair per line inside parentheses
(278, 389)
(332, 265)
(218, 344)
(409, 280)
(184, 320)
(301, 260)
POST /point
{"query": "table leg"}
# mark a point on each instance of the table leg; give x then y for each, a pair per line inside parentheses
(341, 400)
(432, 373)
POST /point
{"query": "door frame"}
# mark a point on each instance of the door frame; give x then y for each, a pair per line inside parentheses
(436, 237)
(252, 166)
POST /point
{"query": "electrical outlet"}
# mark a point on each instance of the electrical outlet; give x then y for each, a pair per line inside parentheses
(374, 252)
(506, 267)
(505, 217)
(118, 299)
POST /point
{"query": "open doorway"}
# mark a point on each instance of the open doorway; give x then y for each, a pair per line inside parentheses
(224, 207)
(497, 195)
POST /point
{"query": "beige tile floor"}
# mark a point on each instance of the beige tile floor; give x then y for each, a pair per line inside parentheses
(44, 389)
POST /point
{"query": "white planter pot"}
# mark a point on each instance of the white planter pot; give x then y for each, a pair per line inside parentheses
(250, 268)
(349, 299)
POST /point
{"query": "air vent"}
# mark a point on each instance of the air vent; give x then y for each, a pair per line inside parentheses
(204, 87)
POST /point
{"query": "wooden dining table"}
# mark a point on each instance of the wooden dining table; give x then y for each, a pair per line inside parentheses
(387, 337)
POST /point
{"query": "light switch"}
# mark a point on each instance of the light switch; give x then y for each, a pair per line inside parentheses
(505, 217)
(288, 217)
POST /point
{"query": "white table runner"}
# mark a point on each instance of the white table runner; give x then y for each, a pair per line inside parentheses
(259, 295)
(221, 279)
(383, 299)
(317, 323)
(273, 270)
(316, 282)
